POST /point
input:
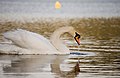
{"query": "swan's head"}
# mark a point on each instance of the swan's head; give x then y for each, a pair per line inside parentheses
(55, 37)
(67, 29)
(75, 34)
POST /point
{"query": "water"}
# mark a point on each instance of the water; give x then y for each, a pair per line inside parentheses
(102, 65)
(98, 58)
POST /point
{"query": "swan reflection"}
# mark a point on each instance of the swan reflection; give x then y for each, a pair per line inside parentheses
(27, 65)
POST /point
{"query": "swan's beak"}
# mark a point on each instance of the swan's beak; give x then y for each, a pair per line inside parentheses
(77, 38)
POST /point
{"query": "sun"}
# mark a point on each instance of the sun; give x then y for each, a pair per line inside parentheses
(57, 5)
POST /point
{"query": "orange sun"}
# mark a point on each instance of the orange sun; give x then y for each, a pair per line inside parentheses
(57, 5)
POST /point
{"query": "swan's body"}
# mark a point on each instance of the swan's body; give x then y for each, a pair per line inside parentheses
(25, 42)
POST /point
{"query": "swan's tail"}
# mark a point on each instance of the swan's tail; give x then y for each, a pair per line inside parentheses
(6, 48)
(12, 35)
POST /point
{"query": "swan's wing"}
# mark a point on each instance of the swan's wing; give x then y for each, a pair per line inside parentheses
(29, 40)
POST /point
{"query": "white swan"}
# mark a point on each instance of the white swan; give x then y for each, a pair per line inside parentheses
(25, 42)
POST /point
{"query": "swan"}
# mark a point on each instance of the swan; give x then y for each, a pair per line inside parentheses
(21, 41)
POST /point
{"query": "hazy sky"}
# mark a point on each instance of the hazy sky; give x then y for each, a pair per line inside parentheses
(70, 8)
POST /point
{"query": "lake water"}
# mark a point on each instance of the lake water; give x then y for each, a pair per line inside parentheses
(105, 64)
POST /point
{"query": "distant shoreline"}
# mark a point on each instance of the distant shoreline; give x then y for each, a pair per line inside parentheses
(99, 27)
(32, 19)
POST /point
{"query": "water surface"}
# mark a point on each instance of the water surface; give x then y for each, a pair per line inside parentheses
(96, 59)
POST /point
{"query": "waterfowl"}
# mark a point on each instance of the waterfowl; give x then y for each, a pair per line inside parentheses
(21, 41)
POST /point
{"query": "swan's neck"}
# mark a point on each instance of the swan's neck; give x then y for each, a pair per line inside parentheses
(57, 43)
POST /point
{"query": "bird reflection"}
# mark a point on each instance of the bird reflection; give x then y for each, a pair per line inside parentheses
(35, 64)
(55, 68)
